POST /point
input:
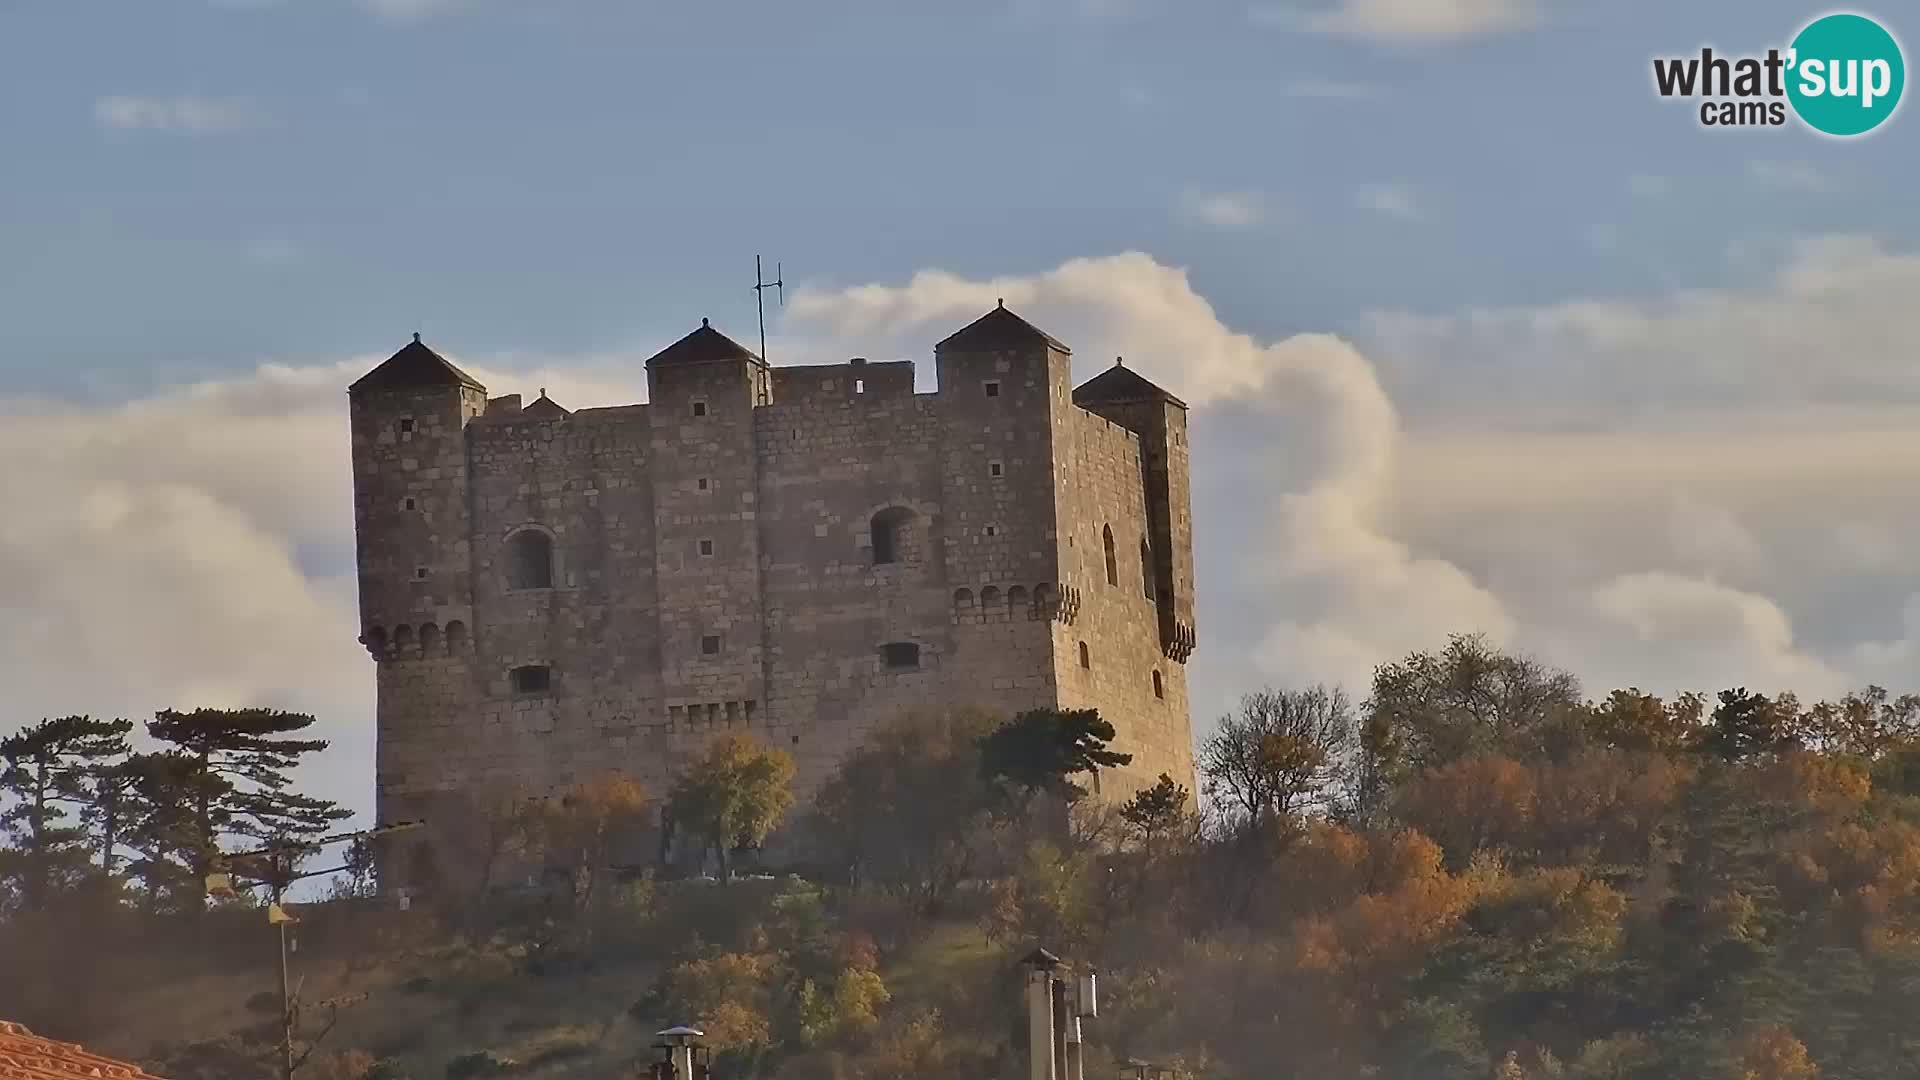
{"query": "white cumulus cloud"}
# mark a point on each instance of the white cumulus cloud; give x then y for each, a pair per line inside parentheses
(181, 115)
(1407, 21)
(1227, 209)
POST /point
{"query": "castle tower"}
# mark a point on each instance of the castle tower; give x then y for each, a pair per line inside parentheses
(1123, 396)
(702, 391)
(411, 516)
(409, 418)
(1004, 386)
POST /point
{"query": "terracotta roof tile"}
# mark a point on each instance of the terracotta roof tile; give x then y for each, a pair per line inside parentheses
(26, 1056)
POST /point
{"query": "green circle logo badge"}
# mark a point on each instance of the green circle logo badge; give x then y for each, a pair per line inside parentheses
(1846, 75)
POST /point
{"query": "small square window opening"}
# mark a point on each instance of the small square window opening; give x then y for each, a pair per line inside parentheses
(710, 645)
(995, 469)
(706, 549)
(419, 573)
(411, 504)
(699, 408)
(704, 484)
(993, 388)
(406, 425)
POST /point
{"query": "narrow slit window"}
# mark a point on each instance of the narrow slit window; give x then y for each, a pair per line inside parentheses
(1113, 566)
(1086, 658)
(1159, 688)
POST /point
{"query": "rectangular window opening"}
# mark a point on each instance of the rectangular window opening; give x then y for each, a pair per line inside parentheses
(900, 655)
(704, 484)
(420, 573)
(710, 645)
(532, 679)
(699, 408)
(406, 425)
(706, 548)
(859, 386)
(995, 469)
(411, 504)
(993, 388)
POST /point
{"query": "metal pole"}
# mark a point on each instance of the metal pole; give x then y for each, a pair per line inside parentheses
(286, 1011)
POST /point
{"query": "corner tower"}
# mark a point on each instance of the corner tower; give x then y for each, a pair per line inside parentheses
(409, 418)
(1123, 396)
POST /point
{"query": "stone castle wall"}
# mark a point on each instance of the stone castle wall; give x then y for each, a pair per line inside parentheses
(713, 569)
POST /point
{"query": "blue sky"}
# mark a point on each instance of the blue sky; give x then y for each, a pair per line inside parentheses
(1480, 334)
(581, 174)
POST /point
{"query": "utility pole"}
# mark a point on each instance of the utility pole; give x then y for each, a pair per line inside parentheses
(277, 876)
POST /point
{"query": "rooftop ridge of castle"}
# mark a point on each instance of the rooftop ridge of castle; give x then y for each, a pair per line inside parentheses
(418, 366)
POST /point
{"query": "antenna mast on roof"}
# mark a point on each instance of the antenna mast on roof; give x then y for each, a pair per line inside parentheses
(760, 287)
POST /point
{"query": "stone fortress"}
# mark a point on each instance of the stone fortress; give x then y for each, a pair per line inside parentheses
(799, 553)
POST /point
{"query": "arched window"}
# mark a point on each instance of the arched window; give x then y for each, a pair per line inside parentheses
(1043, 601)
(402, 641)
(377, 643)
(1086, 658)
(429, 640)
(1146, 569)
(989, 599)
(530, 560)
(456, 638)
(962, 599)
(1159, 688)
(889, 533)
(1016, 599)
(1113, 566)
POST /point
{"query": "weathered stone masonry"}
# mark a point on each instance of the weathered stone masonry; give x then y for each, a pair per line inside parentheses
(801, 553)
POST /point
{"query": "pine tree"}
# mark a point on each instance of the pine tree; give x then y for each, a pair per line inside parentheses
(230, 768)
(45, 769)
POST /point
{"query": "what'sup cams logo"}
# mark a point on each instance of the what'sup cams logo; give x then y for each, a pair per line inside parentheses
(1842, 76)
